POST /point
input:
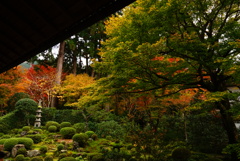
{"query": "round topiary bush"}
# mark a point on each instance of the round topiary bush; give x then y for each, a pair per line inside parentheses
(181, 154)
(67, 132)
(81, 139)
(68, 159)
(26, 128)
(26, 109)
(50, 123)
(60, 147)
(80, 127)
(10, 143)
(22, 151)
(43, 149)
(28, 142)
(52, 128)
(48, 158)
(20, 157)
(27, 159)
(89, 133)
(37, 138)
(62, 155)
(65, 124)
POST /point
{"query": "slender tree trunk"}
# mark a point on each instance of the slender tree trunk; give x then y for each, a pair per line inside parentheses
(87, 64)
(74, 71)
(59, 70)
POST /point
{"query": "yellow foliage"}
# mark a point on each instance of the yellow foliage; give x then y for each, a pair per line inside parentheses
(73, 87)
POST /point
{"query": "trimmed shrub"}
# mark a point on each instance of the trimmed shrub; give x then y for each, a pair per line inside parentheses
(68, 159)
(50, 123)
(22, 151)
(37, 158)
(89, 133)
(43, 149)
(28, 142)
(10, 143)
(60, 147)
(65, 124)
(48, 158)
(181, 154)
(26, 128)
(6, 136)
(2, 141)
(62, 155)
(37, 138)
(80, 127)
(27, 159)
(19, 157)
(52, 128)
(67, 132)
(81, 139)
(26, 109)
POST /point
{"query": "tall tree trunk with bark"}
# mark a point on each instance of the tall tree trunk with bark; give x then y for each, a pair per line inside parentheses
(59, 69)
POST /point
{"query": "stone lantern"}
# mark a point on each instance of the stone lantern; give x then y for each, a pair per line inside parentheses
(38, 115)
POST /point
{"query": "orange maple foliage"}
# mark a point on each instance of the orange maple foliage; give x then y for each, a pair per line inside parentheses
(8, 82)
(38, 82)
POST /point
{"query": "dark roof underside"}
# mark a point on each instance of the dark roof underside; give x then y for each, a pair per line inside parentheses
(28, 27)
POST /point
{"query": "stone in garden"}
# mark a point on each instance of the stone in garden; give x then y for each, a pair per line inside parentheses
(33, 153)
(15, 149)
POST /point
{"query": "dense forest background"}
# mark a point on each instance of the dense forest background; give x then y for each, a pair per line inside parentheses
(165, 72)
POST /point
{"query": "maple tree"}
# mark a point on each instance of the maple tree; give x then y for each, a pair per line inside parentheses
(38, 82)
(8, 85)
(202, 35)
(73, 88)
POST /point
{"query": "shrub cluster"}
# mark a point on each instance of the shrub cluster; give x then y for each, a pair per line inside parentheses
(110, 128)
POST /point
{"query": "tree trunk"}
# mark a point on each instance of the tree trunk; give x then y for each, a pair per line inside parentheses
(59, 70)
(74, 71)
(229, 125)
